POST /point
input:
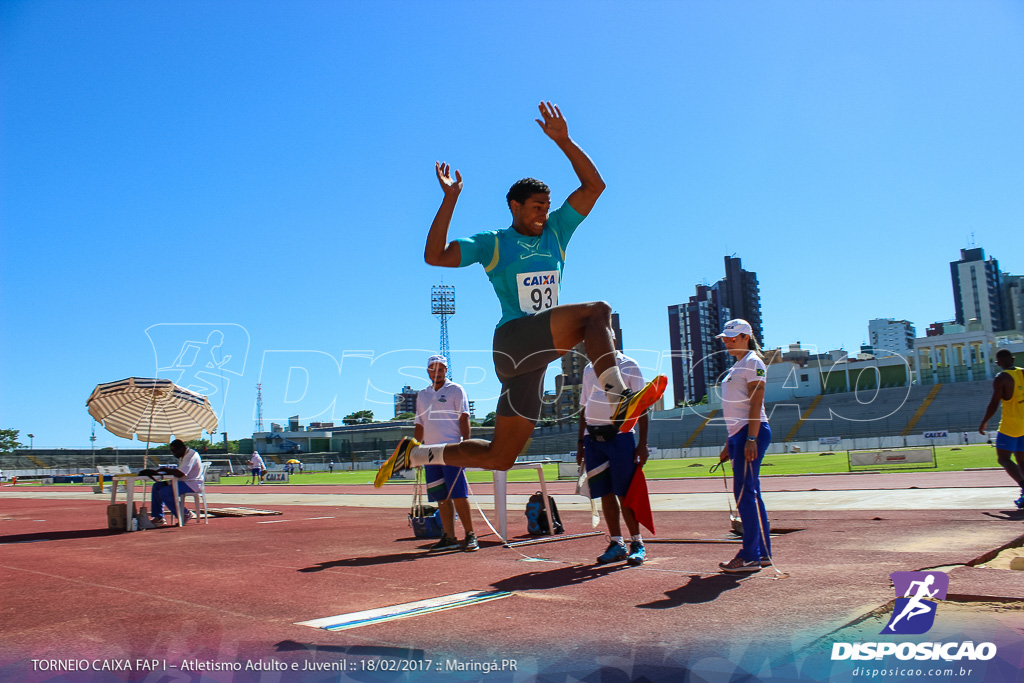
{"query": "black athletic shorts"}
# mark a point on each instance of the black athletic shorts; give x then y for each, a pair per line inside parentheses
(523, 349)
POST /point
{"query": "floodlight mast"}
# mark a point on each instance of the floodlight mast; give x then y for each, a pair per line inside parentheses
(442, 304)
(259, 406)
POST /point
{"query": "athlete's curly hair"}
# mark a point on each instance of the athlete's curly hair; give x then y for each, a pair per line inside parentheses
(523, 189)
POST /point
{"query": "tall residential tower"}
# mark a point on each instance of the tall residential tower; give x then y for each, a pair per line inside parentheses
(976, 290)
(698, 359)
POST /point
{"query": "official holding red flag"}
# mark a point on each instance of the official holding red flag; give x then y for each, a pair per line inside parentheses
(614, 460)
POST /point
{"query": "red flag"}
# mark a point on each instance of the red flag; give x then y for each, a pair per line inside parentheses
(638, 501)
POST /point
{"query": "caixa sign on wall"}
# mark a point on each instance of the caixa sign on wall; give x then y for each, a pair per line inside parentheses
(275, 476)
(940, 434)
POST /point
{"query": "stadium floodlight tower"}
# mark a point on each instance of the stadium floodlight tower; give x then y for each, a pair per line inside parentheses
(259, 406)
(442, 304)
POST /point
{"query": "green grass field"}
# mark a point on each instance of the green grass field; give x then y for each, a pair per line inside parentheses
(950, 459)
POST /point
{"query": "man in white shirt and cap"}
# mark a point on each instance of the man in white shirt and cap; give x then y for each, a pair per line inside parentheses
(442, 416)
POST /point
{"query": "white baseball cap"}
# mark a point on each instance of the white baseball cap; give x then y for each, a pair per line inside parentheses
(437, 359)
(735, 328)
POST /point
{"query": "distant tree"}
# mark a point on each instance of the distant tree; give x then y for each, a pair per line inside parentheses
(489, 420)
(403, 416)
(360, 417)
(195, 444)
(9, 440)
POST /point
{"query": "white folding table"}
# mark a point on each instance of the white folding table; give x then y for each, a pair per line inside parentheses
(129, 489)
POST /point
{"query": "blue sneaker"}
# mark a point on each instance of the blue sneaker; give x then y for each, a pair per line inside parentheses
(1020, 501)
(616, 551)
(637, 554)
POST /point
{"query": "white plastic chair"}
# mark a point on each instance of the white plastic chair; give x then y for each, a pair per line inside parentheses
(199, 498)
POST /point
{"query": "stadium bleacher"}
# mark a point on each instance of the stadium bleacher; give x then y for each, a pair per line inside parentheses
(957, 407)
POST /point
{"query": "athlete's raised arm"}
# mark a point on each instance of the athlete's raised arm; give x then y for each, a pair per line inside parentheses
(438, 250)
(591, 183)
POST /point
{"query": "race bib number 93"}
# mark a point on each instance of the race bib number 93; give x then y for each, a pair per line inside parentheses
(538, 291)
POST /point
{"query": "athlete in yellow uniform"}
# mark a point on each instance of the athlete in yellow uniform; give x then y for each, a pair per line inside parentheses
(1008, 389)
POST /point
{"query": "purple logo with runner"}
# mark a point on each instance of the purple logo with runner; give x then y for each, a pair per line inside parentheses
(914, 612)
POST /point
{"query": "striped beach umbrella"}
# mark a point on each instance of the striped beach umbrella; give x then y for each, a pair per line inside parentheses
(152, 410)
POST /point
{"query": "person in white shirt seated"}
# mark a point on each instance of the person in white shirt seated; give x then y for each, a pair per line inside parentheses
(188, 472)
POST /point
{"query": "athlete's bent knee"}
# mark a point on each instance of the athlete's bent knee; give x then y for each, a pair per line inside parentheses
(502, 456)
(503, 462)
(601, 311)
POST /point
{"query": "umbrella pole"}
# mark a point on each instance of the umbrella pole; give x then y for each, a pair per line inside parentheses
(145, 457)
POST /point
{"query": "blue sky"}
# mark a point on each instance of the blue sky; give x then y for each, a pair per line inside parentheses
(266, 170)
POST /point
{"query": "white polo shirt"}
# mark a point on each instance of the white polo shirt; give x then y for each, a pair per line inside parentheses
(438, 412)
(736, 394)
(192, 467)
(593, 398)
(256, 461)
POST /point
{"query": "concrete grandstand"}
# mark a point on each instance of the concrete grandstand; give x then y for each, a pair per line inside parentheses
(866, 419)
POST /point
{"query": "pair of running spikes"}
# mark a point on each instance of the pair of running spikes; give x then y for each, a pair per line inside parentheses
(629, 409)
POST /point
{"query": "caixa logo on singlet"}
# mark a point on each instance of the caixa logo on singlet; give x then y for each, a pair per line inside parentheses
(913, 613)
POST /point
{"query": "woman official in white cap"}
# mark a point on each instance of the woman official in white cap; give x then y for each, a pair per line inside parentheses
(749, 436)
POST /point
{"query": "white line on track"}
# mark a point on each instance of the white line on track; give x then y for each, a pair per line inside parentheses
(140, 594)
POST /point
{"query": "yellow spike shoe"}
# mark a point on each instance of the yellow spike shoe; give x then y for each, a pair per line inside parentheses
(398, 461)
(632, 406)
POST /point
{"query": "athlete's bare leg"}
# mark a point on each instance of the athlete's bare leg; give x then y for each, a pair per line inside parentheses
(462, 507)
(610, 508)
(590, 323)
(447, 511)
(511, 432)
(570, 324)
(1013, 468)
(630, 519)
